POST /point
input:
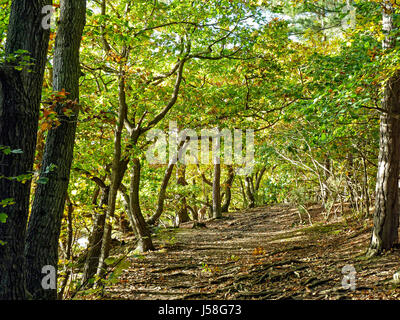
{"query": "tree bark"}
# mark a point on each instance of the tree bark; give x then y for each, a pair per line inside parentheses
(365, 187)
(95, 240)
(163, 188)
(242, 188)
(326, 175)
(250, 190)
(45, 222)
(68, 253)
(161, 195)
(228, 192)
(259, 176)
(142, 232)
(386, 215)
(216, 192)
(182, 210)
(117, 172)
(20, 94)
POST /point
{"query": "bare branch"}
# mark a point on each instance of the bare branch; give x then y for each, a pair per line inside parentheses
(95, 179)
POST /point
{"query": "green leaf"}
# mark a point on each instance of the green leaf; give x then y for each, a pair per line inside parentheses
(17, 151)
(42, 180)
(3, 217)
(7, 202)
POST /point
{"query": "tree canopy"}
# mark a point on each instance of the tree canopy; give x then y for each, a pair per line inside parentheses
(307, 89)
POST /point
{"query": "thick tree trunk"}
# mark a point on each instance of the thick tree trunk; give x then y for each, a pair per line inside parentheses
(20, 94)
(386, 215)
(48, 206)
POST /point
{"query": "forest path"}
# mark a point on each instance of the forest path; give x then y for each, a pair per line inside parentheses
(261, 253)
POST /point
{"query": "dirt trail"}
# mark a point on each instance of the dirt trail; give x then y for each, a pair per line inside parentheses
(262, 253)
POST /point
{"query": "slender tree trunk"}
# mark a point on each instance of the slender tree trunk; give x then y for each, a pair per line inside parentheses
(68, 253)
(135, 133)
(252, 188)
(182, 210)
(228, 192)
(326, 175)
(20, 94)
(242, 188)
(217, 212)
(194, 210)
(249, 191)
(161, 194)
(365, 187)
(48, 206)
(386, 215)
(216, 184)
(163, 188)
(117, 172)
(95, 240)
(142, 232)
(260, 174)
(349, 179)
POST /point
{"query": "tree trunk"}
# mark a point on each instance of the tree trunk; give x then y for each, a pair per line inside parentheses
(161, 194)
(142, 232)
(250, 191)
(49, 201)
(182, 210)
(228, 192)
(386, 215)
(365, 187)
(68, 253)
(117, 172)
(195, 212)
(242, 188)
(259, 176)
(20, 94)
(95, 240)
(326, 175)
(349, 180)
(163, 188)
(217, 212)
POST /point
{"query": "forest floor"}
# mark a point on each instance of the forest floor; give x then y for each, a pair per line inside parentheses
(261, 253)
